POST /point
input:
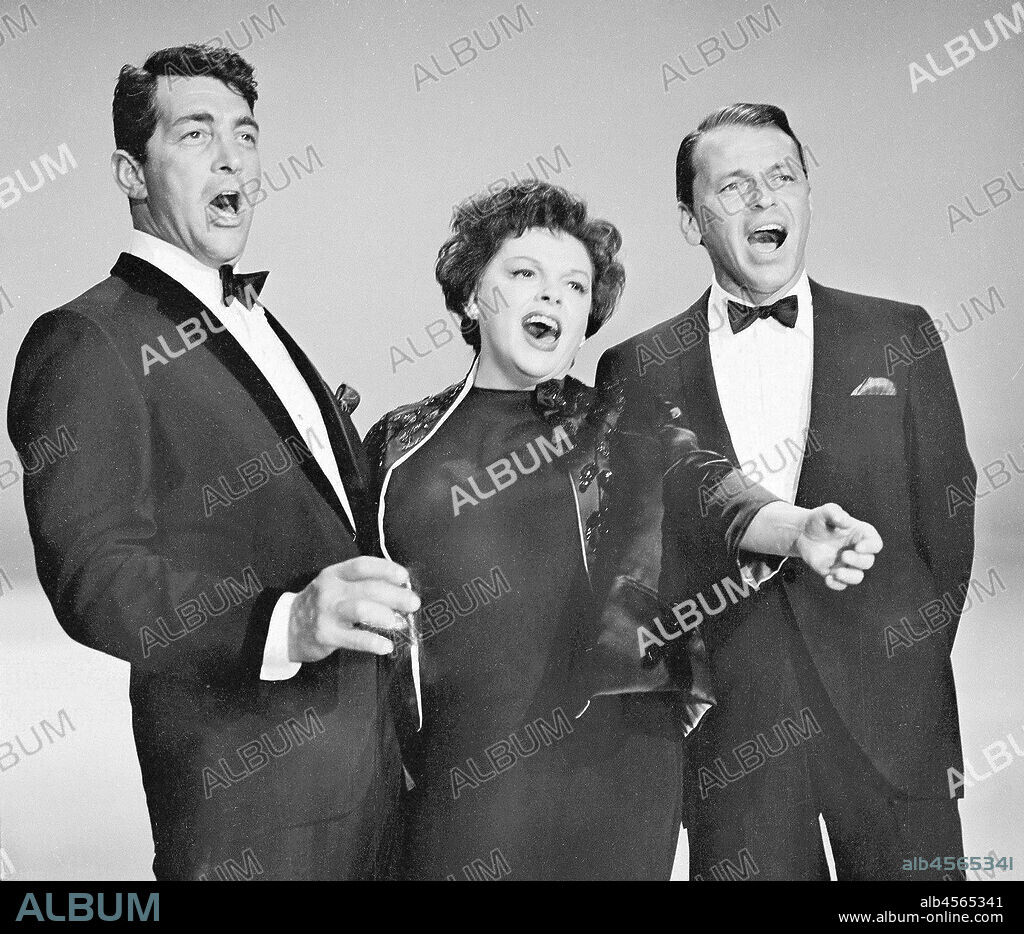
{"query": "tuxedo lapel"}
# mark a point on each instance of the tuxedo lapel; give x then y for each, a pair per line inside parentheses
(828, 376)
(178, 305)
(344, 439)
(700, 389)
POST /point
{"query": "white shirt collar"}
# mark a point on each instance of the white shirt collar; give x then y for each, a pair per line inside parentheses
(201, 280)
(801, 289)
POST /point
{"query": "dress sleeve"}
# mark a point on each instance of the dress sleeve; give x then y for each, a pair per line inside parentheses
(375, 444)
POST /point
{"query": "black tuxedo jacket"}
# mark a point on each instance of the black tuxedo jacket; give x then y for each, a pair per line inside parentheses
(887, 459)
(182, 503)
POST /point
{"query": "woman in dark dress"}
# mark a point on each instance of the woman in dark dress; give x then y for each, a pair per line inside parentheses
(497, 493)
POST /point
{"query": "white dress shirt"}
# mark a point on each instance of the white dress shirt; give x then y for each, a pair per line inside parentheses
(254, 333)
(763, 375)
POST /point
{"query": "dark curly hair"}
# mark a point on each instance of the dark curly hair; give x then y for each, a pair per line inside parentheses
(482, 224)
(135, 115)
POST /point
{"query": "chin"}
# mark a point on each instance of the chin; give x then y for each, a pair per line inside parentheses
(549, 367)
(225, 252)
(762, 282)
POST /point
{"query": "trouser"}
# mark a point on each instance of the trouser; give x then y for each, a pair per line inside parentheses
(361, 844)
(340, 849)
(773, 755)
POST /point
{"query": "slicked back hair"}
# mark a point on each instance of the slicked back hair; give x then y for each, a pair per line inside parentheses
(753, 115)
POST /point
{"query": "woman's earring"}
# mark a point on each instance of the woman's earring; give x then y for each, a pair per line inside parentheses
(472, 311)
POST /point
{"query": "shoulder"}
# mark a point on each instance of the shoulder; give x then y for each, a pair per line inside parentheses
(406, 425)
(72, 351)
(634, 356)
(94, 323)
(868, 312)
(107, 314)
(666, 327)
(412, 413)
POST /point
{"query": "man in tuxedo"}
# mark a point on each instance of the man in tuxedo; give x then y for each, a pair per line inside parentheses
(206, 524)
(825, 704)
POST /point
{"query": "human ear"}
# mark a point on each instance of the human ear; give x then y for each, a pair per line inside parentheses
(689, 226)
(129, 175)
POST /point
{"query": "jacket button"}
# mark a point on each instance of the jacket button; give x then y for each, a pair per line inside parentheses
(789, 574)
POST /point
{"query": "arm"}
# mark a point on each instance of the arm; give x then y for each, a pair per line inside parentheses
(375, 444)
(698, 482)
(277, 664)
(699, 504)
(829, 540)
(92, 515)
(939, 464)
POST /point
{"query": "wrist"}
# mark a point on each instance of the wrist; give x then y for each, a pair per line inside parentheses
(800, 521)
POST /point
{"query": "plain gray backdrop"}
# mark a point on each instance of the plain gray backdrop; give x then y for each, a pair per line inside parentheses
(376, 118)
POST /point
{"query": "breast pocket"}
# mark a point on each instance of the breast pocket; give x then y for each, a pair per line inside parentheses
(872, 429)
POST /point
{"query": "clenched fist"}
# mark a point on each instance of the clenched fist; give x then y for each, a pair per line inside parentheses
(837, 546)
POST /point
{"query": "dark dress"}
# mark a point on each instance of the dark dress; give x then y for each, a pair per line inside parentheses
(508, 783)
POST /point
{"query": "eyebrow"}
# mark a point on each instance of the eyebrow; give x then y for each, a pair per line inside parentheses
(532, 259)
(198, 117)
(732, 172)
(203, 116)
(786, 163)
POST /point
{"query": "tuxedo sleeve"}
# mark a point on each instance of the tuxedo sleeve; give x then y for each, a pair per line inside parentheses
(92, 514)
(942, 476)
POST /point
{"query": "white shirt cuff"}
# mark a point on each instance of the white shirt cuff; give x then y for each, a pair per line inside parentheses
(276, 665)
(756, 573)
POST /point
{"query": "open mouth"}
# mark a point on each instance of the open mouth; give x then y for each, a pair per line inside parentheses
(767, 238)
(543, 329)
(226, 205)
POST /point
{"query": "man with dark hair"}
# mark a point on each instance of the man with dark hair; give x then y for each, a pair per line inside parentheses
(751, 115)
(208, 525)
(833, 704)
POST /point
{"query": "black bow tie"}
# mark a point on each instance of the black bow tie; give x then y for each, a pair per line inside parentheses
(245, 286)
(742, 316)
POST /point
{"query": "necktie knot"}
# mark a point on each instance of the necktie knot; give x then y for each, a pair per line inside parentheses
(244, 286)
(742, 316)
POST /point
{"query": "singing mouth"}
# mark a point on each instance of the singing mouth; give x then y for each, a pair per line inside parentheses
(226, 206)
(767, 238)
(545, 330)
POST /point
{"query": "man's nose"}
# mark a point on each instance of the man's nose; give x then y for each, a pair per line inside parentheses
(759, 195)
(228, 156)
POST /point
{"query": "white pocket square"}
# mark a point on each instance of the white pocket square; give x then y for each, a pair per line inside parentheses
(875, 386)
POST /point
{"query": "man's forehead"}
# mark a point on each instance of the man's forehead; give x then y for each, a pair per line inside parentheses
(178, 95)
(729, 148)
